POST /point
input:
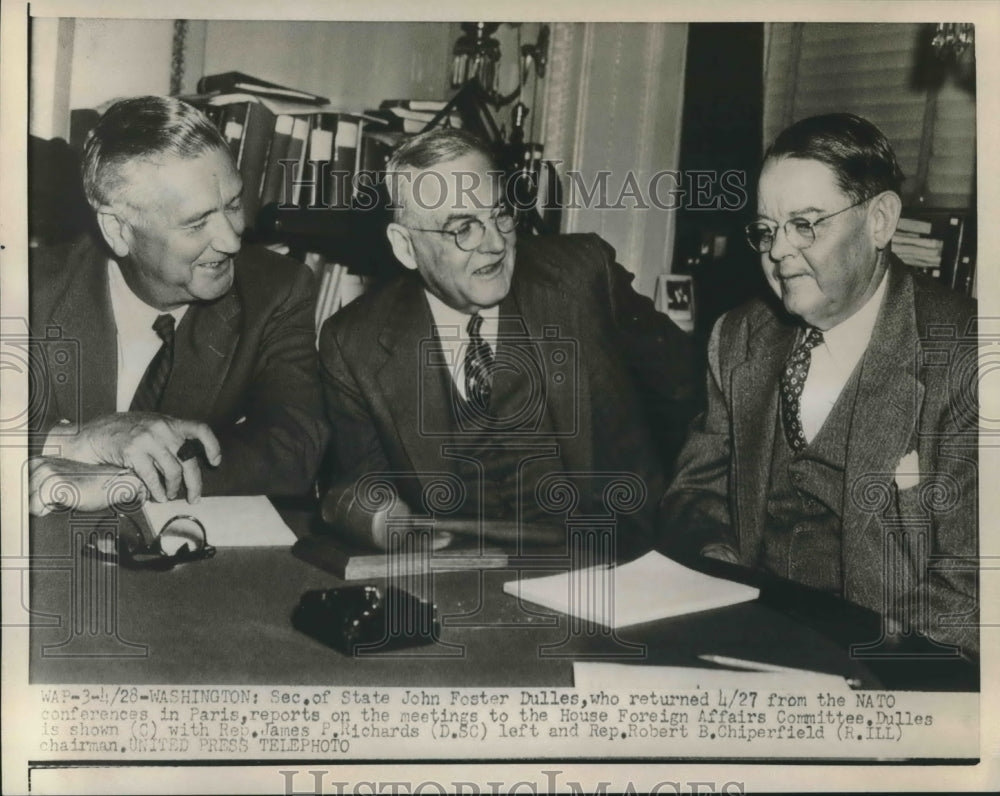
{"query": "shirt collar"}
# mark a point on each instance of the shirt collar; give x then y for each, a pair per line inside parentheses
(448, 321)
(131, 313)
(848, 339)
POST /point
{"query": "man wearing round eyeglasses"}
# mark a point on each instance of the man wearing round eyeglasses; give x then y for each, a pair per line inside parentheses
(837, 412)
(495, 365)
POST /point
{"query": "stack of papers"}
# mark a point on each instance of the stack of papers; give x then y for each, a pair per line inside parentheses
(649, 588)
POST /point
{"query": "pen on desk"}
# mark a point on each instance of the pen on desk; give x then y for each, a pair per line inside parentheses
(757, 666)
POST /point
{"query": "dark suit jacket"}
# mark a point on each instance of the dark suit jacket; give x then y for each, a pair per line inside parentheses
(917, 392)
(250, 354)
(632, 368)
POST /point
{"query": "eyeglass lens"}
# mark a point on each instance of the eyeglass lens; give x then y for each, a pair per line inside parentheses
(800, 234)
(470, 236)
(182, 532)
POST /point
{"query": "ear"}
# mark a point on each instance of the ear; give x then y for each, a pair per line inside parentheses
(884, 217)
(115, 230)
(402, 245)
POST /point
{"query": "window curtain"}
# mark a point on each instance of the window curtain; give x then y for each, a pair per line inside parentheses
(889, 74)
(613, 101)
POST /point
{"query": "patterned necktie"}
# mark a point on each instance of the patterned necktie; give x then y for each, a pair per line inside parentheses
(149, 393)
(478, 366)
(792, 382)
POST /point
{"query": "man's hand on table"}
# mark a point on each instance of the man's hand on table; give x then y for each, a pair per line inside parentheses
(56, 483)
(146, 443)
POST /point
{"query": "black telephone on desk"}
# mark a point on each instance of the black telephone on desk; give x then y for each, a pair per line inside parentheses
(377, 618)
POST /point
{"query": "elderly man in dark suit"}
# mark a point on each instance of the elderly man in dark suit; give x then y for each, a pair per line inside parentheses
(498, 364)
(176, 332)
(838, 449)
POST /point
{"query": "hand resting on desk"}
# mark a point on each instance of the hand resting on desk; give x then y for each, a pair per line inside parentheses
(146, 443)
(55, 483)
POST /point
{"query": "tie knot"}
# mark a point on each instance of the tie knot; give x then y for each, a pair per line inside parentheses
(475, 324)
(164, 326)
(813, 338)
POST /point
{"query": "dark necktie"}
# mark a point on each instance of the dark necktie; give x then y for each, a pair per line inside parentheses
(478, 366)
(149, 393)
(792, 382)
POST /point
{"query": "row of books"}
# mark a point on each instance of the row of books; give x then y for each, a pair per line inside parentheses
(413, 116)
(272, 151)
(278, 134)
(276, 144)
(939, 244)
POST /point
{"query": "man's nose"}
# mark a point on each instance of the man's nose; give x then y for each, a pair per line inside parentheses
(494, 240)
(781, 246)
(226, 233)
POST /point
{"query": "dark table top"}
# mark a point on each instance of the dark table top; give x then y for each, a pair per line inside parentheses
(228, 620)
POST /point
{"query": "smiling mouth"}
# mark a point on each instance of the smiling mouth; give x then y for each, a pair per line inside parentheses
(218, 265)
(489, 270)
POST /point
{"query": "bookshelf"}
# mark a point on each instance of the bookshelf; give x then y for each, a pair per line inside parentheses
(311, 172)
(311, 169)
(940, 243)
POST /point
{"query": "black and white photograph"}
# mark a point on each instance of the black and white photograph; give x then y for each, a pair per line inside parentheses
(674, 296)
(596, 400)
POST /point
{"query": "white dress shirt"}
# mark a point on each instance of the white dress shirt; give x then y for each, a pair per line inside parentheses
(137, 342)
(834, 360)
(452, 330)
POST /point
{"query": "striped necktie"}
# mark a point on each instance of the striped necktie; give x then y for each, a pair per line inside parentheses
(149, 393)
(478, 366)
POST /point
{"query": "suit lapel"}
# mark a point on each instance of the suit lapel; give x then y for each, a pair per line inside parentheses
(413, 378)
(418, 396)
(203, 353)
(206, 338)
(554, 327)
(755, 409)
(882, 430)
(84, 317)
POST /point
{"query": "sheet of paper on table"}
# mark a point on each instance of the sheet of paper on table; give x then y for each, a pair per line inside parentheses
(244, 521)
(596, 676)
(649, 588)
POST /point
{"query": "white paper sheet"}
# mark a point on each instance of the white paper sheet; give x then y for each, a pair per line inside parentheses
(229, 521)
(651, 587)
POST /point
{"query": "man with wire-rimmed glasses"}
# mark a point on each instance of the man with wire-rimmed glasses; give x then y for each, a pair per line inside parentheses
(495, 362)
(835, 413)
